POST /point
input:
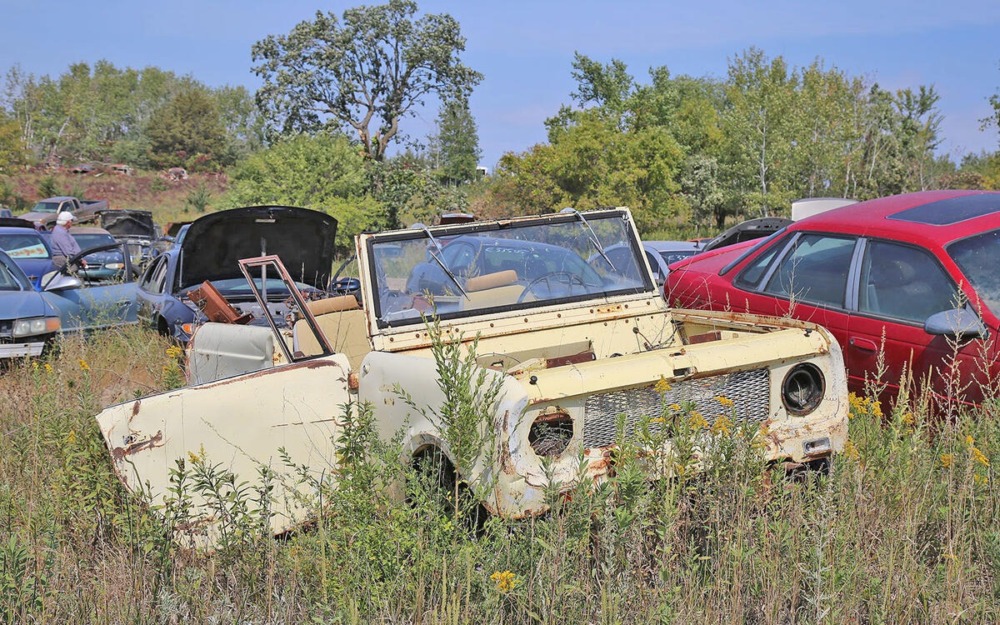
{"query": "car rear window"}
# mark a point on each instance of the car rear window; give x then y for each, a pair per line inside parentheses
(951, 210)
(26, 245)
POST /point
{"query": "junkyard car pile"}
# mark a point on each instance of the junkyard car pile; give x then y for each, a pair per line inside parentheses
(579, 344)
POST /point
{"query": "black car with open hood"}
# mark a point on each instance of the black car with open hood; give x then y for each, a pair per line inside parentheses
(173, 285)
(301, 237)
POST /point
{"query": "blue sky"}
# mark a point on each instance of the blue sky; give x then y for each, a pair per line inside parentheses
(525, 47)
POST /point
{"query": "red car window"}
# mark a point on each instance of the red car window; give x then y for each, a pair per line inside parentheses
(904, 283)
(814, 270)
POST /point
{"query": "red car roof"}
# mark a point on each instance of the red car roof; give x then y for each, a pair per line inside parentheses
(922, 217)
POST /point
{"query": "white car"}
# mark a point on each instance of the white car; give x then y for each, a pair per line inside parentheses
(562, 353)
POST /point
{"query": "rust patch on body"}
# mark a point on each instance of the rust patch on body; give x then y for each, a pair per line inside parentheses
(119, 453)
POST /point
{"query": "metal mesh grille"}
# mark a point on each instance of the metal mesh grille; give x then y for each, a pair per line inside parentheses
(749, 391)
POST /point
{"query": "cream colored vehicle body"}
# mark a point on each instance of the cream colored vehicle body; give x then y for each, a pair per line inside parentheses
(573, 349)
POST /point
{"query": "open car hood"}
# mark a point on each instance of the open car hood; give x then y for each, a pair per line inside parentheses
(301, 237)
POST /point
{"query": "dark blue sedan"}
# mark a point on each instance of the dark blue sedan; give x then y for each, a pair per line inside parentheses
(209, 252)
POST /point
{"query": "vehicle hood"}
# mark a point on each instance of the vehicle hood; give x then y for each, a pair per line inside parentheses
(23, 304)
(301, 237)
(35, 217)
(125, 223)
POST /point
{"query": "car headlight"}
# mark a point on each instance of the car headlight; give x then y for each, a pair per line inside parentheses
(36, 325)
(551, 433)
(803, 388)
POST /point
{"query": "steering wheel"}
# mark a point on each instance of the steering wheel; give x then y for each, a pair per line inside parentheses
(559, 277)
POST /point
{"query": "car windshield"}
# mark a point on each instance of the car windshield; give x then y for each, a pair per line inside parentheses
(977, 257)
(11, 277)
(90, 241)
(674, 256)
(46, 207)
(23, 245)
(504, 266)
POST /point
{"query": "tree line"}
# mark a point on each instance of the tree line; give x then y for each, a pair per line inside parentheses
(339, 90)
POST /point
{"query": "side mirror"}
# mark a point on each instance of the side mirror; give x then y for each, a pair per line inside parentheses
(59, 281)
(962, 324)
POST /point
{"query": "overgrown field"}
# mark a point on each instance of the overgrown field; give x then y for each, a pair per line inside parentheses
(904, 529)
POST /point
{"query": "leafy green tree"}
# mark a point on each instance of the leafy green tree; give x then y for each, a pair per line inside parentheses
(456, 144)
(12, 150)
(373, 67)
(323, 172)
(700, 185)
(409, 192)
(189, 130)
(824, 132)
(758, 131)
(593, 164)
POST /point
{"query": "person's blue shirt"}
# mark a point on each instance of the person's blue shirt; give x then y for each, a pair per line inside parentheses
(63, 243)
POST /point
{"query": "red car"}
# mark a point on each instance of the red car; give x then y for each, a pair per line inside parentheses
(913, 277)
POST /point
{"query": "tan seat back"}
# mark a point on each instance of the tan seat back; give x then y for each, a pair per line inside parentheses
(346, 330)
(492, 289)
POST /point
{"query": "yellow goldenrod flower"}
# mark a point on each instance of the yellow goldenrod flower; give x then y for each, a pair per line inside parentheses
(83, 365)
(979, 479)
(947, 460)
(907, 418)
(978, 456)
(674, 407)
(696, 421)
(657, 420)
(197, 457)
(851, 451)
(505, 581)
(725, 401)
(174, 351)
(71, 437)
(48, 368)
(662, 386)
(970, 441)
(722, 426)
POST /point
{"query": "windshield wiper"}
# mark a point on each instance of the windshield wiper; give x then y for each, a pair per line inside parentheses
(440, 261)
(591, 235)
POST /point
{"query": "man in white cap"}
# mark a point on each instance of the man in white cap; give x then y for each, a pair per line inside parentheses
(64, 246)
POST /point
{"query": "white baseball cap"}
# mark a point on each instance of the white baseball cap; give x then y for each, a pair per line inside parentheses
(64, 218)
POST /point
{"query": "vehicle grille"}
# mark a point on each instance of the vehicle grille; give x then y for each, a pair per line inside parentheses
(748, 390)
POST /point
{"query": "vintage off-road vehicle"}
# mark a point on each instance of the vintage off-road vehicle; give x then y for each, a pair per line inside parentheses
(582, 350)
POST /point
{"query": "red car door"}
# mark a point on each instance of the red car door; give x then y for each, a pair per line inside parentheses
(899, 287)
(805, 278)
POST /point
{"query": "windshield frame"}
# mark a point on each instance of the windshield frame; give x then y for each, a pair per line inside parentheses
(387, 314)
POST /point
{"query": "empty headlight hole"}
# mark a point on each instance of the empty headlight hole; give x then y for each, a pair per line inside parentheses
(550, 434)
(803, 389)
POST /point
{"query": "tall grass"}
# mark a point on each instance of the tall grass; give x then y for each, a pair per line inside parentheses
(903, 529)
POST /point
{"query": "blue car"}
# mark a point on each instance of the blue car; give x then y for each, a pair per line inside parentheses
(27, 321)
(208, 251)
(26, 247)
